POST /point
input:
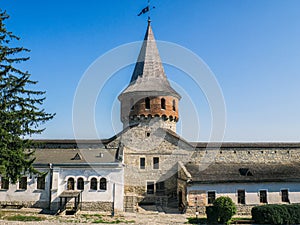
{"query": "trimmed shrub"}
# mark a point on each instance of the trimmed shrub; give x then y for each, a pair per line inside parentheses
(221, 212)
(225, 208)
(276, 214)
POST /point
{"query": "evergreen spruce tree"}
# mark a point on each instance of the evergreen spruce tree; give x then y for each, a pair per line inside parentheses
(20, 112)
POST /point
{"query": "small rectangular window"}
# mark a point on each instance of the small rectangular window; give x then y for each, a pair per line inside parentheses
(142, 163)
(241, 197)
(155, 163)
(23, 183)
(211, 197)
(41, 183)
(263, 196)
(150, 187)
(4, 183)
(285, 195)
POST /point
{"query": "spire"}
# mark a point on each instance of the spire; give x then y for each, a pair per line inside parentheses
(149, 74)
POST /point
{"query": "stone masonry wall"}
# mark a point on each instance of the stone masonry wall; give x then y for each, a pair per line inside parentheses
(97, 206)
(249, 155)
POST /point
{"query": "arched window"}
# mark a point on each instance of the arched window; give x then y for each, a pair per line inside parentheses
(131, 104)
(70, 184)
(163, 103)
(80, 184)
(93, 184)
(147, 103)
(174, 105)
(103, 184)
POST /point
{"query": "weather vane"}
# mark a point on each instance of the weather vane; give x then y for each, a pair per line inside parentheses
(148, 8)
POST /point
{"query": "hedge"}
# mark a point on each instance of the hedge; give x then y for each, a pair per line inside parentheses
(276, 214)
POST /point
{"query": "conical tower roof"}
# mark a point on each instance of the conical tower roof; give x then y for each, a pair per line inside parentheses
(149, 77)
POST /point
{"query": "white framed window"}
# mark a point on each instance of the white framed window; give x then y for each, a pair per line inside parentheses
(263, 196)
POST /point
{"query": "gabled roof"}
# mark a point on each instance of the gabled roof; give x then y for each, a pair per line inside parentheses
(75, 156)
(149, 75)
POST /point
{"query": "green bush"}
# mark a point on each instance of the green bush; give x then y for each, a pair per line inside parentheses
(221, 212)
(225, 208)
(276, 214)
(294, 212)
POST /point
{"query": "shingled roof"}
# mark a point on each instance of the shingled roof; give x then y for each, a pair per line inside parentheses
(242, 172)
(149, 75)
(75, 156)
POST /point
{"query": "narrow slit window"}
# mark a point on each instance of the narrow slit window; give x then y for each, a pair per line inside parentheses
(142, 163)
(174, 105)
(155, 163)
(163, 103)
(147, 103)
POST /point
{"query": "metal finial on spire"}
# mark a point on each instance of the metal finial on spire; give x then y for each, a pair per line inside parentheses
(148, 9)
(149, 20)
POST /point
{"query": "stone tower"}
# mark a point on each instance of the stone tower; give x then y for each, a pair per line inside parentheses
(149, 98)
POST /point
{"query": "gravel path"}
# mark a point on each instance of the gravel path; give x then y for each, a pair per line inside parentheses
(144, 217)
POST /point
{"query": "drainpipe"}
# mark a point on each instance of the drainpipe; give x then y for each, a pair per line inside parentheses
(50, 185)
(113, 203)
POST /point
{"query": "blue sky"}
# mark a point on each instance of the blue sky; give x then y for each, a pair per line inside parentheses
(252, 47)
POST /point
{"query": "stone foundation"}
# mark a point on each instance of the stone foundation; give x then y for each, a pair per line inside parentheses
(97, 206)
(12, 204)
(242, 210)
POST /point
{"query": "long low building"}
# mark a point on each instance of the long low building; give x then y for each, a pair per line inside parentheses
(74, 176)
(249, 173)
